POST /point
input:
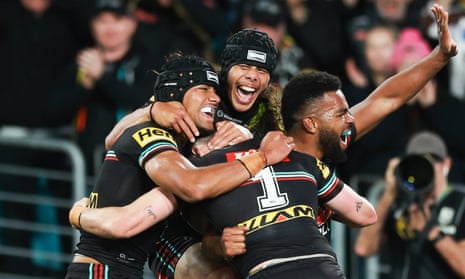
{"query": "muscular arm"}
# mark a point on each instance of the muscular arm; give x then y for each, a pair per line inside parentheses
(352, 209)
(398, 89)
(174, 172)
(130, 220)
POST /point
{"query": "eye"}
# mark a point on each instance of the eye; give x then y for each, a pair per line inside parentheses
(263, 71)
(244, 66)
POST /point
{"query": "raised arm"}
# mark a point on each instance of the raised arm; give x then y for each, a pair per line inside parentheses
(398, 89)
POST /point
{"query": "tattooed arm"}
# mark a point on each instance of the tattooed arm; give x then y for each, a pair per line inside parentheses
(352, 209)
(125, 221)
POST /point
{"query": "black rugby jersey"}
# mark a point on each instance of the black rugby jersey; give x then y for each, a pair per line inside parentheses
(279, 205)
(121, 180)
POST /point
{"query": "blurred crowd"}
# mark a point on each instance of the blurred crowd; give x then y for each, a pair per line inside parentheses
(69, 72)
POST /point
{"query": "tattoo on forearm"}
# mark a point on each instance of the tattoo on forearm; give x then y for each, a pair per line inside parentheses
(150, 212)
(358, 206)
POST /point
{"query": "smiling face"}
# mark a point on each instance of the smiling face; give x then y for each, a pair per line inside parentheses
(201, 102)
(245, 84)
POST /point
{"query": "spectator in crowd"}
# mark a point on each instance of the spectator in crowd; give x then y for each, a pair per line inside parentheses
(420, 215)
(270, 16)
(184, 26)
(456, 70)
(106, 81)
(399, 14)
(433, 105)
(369, 154)
(309, 20)
(36, 45)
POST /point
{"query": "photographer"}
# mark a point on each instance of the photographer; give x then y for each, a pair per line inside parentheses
(420, 219)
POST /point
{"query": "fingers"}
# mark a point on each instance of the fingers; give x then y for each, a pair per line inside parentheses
(276, 146)
(233, 240)
(187, 127)
(228, 133)
(447, 44)
(173, 115)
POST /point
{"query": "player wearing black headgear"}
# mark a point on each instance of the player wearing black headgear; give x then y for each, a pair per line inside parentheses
(251, 47)
(147, 155)
(247, 62)
(179, 75)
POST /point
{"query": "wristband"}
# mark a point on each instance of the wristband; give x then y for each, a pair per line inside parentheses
(150, 112)
(75, 216)
(254, 162)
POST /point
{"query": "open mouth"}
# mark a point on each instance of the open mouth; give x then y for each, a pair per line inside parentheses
(245, 94)
(209, 111)
(345, 138)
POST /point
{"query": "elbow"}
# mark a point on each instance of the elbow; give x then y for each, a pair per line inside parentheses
(118, 229)
(197, 191)
(195, 195)
(365, 220)
(370, 219)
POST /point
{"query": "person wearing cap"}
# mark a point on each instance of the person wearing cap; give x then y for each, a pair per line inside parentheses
(270, 16)
(427, 240)
(105, 81)
(147, 158)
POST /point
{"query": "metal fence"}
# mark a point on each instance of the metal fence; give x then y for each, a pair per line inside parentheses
(76, 178)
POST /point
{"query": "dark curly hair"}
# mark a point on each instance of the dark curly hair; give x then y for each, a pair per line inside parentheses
(303, 90)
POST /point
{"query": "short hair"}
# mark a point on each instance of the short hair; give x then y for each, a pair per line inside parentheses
(302, 90)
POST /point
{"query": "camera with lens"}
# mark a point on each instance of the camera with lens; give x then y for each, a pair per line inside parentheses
(414, 179)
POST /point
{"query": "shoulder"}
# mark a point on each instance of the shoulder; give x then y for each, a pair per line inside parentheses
(146, 134)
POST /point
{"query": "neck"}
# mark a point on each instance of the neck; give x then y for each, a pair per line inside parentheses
(306, 143)
(116, 53)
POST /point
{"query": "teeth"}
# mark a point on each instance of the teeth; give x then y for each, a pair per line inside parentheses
(345, 136)
(209, 110)
(247, 89)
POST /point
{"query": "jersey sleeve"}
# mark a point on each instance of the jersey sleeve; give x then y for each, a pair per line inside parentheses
(151, 141)
(329, 185)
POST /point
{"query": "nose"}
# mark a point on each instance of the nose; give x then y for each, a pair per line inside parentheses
(212, 96)
(349, 117)
(252, 73)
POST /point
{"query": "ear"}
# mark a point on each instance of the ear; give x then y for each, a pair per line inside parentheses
(446, 166)
(310, 124)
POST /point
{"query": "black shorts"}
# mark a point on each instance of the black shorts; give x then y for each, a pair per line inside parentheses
(314, 268)
(96, 271)
(176, 237)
